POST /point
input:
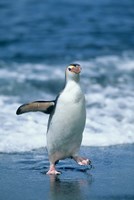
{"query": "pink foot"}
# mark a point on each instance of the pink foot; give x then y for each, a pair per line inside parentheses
(53, 171)
(81, 160)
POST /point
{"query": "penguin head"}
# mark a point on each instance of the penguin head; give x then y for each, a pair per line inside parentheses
(72, 72)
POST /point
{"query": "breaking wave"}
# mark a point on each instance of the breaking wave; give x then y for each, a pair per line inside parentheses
(108, 85)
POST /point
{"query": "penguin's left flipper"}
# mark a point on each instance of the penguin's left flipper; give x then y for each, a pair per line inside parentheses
(42, 106)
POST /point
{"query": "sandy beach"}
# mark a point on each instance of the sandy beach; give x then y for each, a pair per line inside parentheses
(22, 176)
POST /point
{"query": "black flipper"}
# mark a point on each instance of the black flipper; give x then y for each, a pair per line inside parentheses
(42, 106)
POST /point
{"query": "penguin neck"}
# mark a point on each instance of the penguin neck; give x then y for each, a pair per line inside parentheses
(71, 83)
(75, 79)
(71, 77)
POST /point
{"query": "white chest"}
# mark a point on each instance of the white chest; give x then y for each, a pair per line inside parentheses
(70, 114)
(68, 121)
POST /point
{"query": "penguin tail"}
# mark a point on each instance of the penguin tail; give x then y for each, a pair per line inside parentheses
(42, 106)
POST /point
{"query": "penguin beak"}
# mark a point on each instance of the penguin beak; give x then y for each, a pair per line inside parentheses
(76, 70)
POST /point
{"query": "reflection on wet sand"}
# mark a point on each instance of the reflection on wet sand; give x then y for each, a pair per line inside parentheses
(70, 187)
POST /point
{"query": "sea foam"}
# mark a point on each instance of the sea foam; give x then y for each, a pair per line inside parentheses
(108, 86)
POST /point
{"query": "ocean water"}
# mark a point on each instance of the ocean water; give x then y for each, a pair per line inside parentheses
(38, 39)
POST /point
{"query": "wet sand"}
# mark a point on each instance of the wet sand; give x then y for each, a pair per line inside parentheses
(22, 176)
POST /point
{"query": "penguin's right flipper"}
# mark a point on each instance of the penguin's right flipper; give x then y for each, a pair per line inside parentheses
(42, 106)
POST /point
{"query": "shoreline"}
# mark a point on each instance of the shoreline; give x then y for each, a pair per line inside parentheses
(22, 176)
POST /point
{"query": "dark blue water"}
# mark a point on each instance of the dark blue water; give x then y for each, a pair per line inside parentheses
(61, 31)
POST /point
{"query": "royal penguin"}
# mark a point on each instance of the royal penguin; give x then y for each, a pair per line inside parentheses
(67, 117)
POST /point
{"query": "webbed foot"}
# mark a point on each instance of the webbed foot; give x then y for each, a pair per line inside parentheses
(53, 171)
(81, 160)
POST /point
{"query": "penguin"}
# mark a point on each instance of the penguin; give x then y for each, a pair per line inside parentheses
(67, 118)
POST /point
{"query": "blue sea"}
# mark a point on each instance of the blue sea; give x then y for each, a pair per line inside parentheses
(39, 39)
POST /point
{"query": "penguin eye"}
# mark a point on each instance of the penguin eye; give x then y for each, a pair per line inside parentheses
(69, 69)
